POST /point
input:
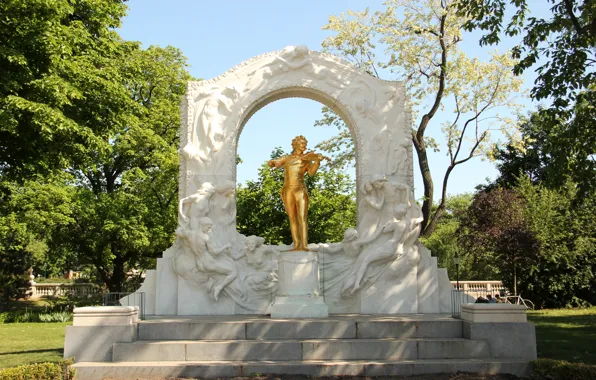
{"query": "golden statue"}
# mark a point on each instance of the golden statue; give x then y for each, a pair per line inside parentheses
(293, 193)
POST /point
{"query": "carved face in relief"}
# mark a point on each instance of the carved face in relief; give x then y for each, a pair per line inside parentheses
(206, 225)
(253, 242)
(400, 211)
(350, 234)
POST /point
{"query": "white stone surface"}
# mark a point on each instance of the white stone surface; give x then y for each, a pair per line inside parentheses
(148, 289)
(493, 312)
(375, 269)
(299, 307)
(428, 282)
(166, 290)
(105, 315)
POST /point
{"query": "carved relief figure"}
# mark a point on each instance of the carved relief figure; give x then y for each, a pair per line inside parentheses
(209, 136)
(389, 250)
(373, 199)
(206, 253)
(223, 211)
(365, 102)
(293, 192)
(197, 206)
(256, 253)
(350, 245)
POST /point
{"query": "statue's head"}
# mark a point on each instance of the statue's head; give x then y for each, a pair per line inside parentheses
(227, 187)
(252, 242)
(301, 50)
(400, 211)
(378, 181)
(299, 143)
(207, 188)
(205, 224)
(350, 234)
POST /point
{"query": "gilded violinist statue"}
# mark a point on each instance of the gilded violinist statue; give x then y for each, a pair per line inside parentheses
(293, 192)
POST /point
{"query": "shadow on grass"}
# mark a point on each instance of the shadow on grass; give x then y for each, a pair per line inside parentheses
(566, 337)
(51, 350)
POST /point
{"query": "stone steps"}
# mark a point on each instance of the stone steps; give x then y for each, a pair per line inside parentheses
(217, 369)
(288, 350)
(263, 329)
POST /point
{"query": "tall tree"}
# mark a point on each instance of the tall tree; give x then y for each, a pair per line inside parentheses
(332, 206)
(52, 53)
(564, 45)
(421, 42)
(127, 193)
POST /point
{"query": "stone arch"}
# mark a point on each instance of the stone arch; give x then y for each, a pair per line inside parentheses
(298, 92)
(214, 112)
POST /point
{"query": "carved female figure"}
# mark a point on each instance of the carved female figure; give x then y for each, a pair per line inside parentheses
(197, 205)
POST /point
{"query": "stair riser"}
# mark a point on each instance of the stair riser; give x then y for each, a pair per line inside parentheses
(300, 330)
(287, 351)
(148, 371)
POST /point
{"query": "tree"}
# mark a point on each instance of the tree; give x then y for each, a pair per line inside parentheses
(565, 44)
(563, 274)
(444, 242)
(559, 147)
(125, 204)
(422, 50)
(53, 53)
(332, 206)
(29, 214)
(496, 234)
(76, 99)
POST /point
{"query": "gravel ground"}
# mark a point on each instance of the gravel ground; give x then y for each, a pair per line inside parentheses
(439, 376)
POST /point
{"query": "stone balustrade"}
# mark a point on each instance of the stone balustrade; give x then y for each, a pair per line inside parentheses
(58, 290)
(480, 288)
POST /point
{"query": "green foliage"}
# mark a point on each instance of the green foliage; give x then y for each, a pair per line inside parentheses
(260, 210)
(562, 370)
(563, 44)
(421, 41)
(496, 235)
(42, 371)
(444, 243)
(96, 119)
(563, 273)
(559, 146)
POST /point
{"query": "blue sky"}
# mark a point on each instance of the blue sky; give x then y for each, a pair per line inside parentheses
(217, 35)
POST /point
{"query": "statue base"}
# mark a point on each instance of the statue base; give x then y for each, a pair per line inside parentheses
(298, 295)
(299, 307)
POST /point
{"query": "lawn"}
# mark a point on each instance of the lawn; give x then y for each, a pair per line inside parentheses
(566, 334)
(25, 343)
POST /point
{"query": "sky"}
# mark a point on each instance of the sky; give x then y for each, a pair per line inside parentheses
(217, 35)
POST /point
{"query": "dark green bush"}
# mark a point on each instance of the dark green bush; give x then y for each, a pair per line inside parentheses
(42, 371)
(562, 370)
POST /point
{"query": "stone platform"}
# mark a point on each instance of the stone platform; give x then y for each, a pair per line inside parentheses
(357, 345)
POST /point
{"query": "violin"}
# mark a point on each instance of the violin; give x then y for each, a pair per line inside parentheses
(312, 155)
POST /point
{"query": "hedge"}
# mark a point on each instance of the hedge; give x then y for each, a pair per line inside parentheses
(42, 371)
(562, 370)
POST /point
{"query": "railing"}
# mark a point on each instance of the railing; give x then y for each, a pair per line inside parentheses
(126, 299)
(481, 288)
(58, 290)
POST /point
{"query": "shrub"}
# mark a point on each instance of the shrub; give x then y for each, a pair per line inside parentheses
(60, 316)
(562, 370)
(43, 371)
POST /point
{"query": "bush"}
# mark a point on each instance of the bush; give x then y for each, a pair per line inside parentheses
(43, 371)
(60, 316)
(28, 316)
(562, 370)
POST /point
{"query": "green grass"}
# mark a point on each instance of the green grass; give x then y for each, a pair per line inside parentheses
(26, 343)
(566, 334)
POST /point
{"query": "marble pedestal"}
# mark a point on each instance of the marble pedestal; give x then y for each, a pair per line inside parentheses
(298, 295)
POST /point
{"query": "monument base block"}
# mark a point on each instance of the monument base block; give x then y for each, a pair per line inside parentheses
(299, 307)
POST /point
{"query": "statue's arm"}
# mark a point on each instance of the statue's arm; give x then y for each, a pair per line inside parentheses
(278, 162)
(181, 205)
(213, 248)
(313, 166)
